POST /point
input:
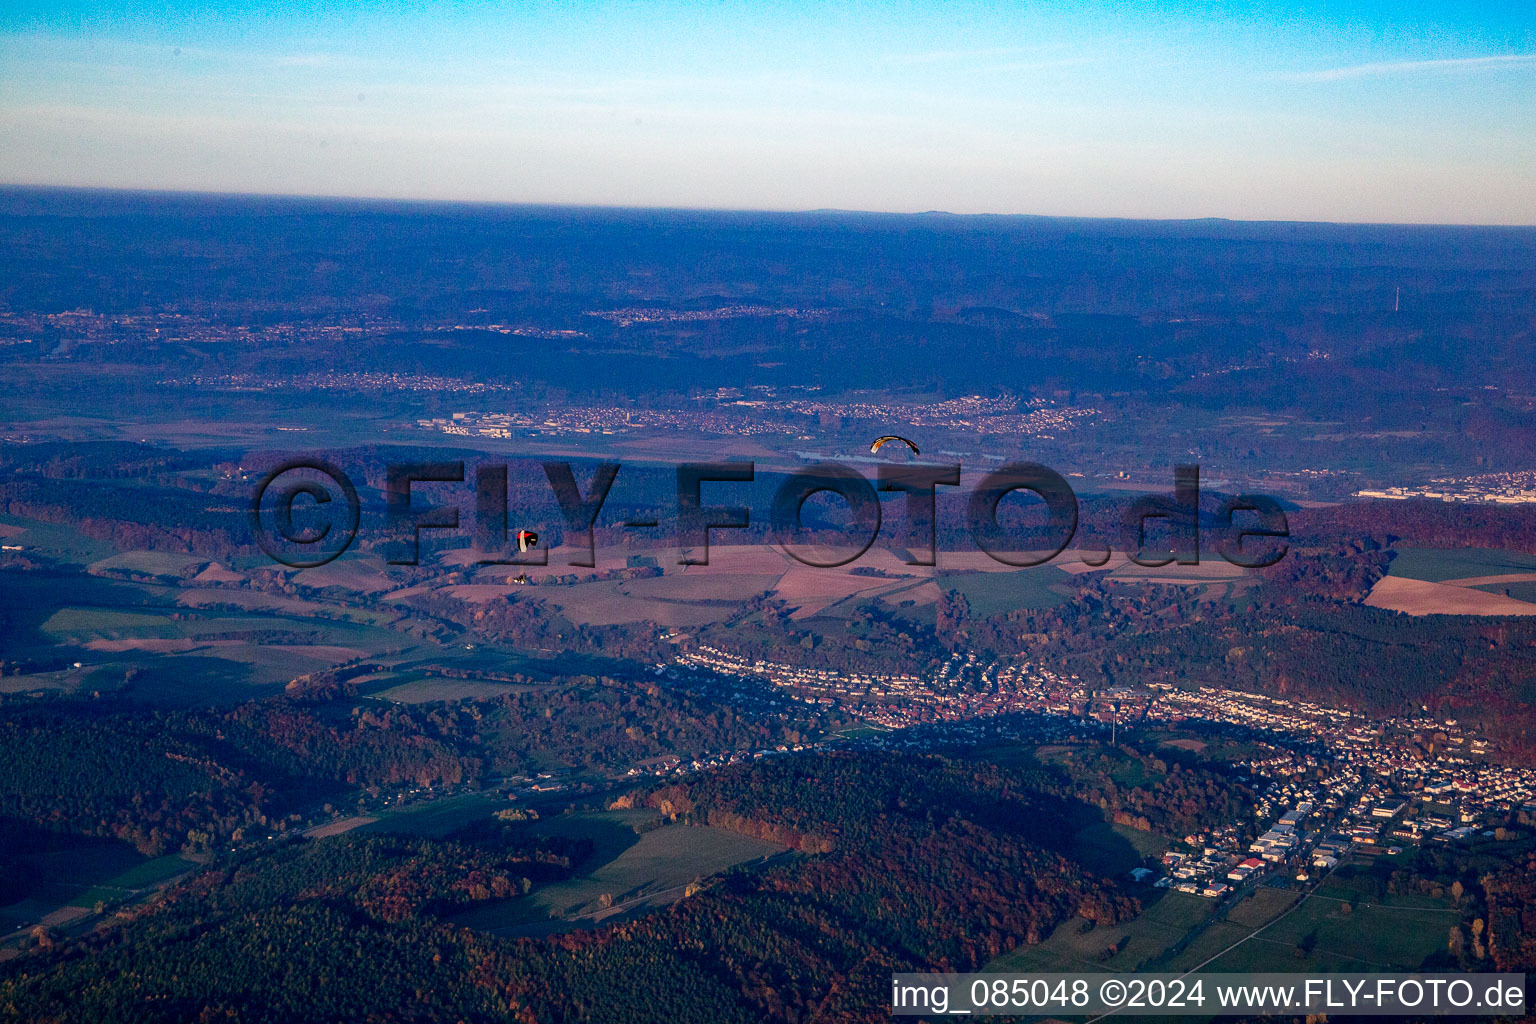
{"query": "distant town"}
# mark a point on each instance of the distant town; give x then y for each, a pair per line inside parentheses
(1517, 488)
(762, 412)
(1379, 786)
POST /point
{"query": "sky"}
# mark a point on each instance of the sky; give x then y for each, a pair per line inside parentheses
(1401, 112)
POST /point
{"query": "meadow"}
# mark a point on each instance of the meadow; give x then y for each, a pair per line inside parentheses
(1342, 926)
(993, 593)
(628, 871)
(1440, 565)
(1077, 946)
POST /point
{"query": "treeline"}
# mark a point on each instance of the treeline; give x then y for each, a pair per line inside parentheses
(1423, 523)
(1511, 927)
(339, 929)
(1340, 572)
(122, 777)
(83, 460)
(168, 779)
(1174, 798)
(614, 724)
(133, 518)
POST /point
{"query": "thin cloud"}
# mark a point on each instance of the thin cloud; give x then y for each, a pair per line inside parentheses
(1411, 67)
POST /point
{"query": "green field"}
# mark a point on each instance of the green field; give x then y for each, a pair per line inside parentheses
(652, 869)
(153, 563)
(29, 600)
(77, 625)
(429, 689)
(53, 615)
(1525, 591)
(1083, 762)
(149, 637)
(65, 680)
(1339, 928)
(437, 818)
(488, 657)
(1436, 565)
(1238, 922)
(59, 542)
(1140, 941)
(140, 876)
(79, 871)
(209, 599)
(993, 593)
(1327, 933)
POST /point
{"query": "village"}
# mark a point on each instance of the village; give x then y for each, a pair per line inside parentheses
(1331, 782)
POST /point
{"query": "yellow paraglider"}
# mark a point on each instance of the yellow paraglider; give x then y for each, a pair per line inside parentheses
(880, 442)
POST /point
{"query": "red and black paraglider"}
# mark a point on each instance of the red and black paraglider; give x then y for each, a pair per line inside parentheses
(881, 442)
(527, 539)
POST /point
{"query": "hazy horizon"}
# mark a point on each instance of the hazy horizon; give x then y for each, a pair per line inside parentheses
(1386, 114)
(428, 201)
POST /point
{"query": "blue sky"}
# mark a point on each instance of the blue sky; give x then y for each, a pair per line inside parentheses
(1375, 112)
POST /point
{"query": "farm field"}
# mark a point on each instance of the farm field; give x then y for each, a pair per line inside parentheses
(28, 600)
(701, 594)
(55, 541)
(438, 817)
(1442, 565)
(607, 603)
(647, 870)
(151, 563)
(260, 602)
(1457, 581)
(84, 632)
(73, 874)
(1419, 597)
(430, 689)
(992, 593)
(810, 591)
(427, 661)
(1520, 590)
(1134, 943)
(1342, 926)
(356, 572)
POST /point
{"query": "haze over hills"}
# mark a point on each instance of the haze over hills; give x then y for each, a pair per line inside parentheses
(628, 578)
(633, 788)
(1261, 347)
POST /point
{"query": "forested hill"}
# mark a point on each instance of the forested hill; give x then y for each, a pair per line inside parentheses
(903, 862)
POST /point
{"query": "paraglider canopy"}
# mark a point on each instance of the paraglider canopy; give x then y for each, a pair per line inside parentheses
(880, 442)
(527, 539)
